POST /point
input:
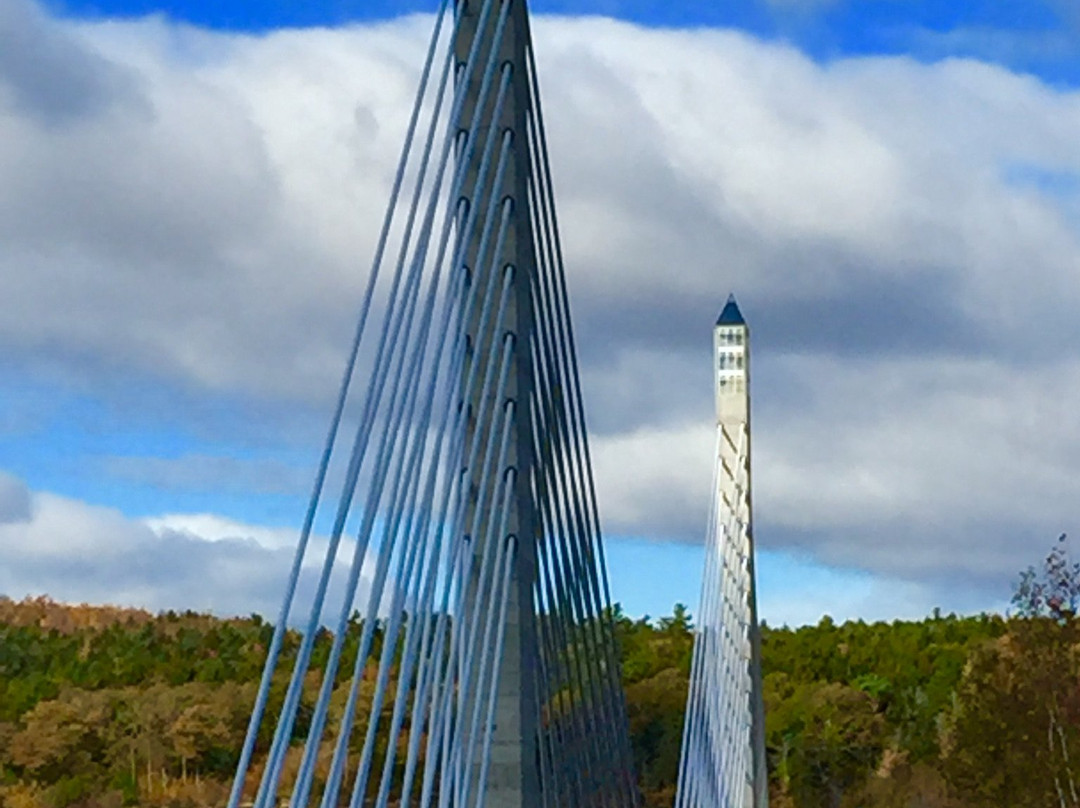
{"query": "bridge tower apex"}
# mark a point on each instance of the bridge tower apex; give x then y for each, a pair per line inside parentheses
(730, 314)
(731, 365)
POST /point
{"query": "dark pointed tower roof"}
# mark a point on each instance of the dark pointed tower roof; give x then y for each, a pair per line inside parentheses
(730, 315)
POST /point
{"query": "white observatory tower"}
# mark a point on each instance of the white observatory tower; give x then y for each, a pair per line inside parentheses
(731, 355)
(723, 755)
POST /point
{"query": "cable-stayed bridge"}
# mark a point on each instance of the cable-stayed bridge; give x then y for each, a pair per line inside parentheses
(486, 671)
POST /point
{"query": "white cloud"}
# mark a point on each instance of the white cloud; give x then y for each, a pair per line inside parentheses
(203, 211)
(211, 527)
(74, 551)
(655, 481)
(955, 469)
(919, 441)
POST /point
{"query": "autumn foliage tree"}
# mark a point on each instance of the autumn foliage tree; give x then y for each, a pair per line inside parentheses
(103, 707)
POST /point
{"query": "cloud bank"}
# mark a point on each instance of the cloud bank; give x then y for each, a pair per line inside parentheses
(198, 209)
(80, 552)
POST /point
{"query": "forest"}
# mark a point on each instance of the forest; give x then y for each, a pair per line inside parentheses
(103, 707)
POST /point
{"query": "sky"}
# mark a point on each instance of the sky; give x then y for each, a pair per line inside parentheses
(190, 191)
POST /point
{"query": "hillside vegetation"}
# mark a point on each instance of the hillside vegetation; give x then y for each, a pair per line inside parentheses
(109, 707)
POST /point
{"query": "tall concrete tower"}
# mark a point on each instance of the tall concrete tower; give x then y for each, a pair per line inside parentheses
(723, 758)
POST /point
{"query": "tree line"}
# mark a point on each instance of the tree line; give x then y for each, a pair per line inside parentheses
(103, 707)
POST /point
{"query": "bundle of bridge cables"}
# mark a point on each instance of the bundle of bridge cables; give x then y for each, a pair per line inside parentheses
(458, 645)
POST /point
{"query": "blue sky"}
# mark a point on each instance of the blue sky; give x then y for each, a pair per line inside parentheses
(891, 187)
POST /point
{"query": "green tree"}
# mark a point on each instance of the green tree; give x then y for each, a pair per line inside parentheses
(824, 738)
(656, 707)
